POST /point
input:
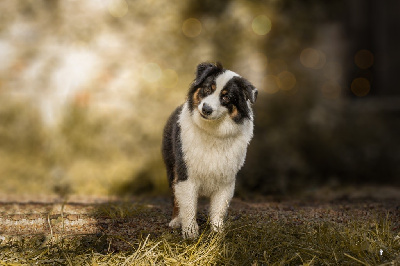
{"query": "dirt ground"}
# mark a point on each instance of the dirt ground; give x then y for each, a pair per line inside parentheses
(24, 217)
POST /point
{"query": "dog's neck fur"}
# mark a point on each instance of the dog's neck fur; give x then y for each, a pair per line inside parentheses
(213, 149)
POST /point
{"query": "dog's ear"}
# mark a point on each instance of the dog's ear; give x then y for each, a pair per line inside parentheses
(204, 70)
(250, 92)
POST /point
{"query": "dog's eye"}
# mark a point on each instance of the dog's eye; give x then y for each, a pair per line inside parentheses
(225, 99)
(207, 90)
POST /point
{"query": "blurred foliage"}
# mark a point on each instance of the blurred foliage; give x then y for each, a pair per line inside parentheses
(21, 130)
(82, 135)
(299, 148)
(86, 88)
(22, 143)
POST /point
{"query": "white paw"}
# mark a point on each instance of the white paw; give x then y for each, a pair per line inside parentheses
(175, 223)
(217, 226)
(191, 231)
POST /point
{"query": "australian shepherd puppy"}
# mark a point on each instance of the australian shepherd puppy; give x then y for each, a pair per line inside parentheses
(205, 142)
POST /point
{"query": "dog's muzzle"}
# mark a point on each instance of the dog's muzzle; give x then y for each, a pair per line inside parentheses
(206, 110)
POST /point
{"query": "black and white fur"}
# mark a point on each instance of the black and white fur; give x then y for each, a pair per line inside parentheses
(205, 142)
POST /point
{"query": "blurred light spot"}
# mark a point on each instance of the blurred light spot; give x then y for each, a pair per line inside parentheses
(169, 78)
(312, 58)
(18, 66)
(118, 8)
(74, 70)
(78, 45)
(271, 84)
(277, 66)
(151, 72)
(82, 99)
(105, 77)
(333, 71)
(261, 25)
(287, 80)
(360, 87)
(191, 27)
(331, 90)
(7, 54)
(364, 59)
(260, 62)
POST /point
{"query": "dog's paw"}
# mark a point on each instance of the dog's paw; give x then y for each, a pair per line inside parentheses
(190, 232)
(175, 223)
(217, 226)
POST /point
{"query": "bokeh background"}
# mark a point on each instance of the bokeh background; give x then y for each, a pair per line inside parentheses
(86, 87)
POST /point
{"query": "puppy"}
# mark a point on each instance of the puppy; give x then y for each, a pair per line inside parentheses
(205, 142)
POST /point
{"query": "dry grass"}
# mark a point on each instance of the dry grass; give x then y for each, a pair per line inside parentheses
(248, 241)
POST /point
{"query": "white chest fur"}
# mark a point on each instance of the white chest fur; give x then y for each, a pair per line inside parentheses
(213, 160)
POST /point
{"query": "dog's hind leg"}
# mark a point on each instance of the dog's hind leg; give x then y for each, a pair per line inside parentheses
(176, 220)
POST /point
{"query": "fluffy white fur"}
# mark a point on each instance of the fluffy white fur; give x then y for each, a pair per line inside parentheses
(214, 151)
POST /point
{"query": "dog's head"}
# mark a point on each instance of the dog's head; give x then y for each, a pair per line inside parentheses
(216, 93)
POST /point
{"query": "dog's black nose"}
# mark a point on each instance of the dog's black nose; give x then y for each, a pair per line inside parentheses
(206, 110)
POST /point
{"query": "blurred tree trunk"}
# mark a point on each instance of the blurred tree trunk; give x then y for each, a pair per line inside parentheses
(375, 26)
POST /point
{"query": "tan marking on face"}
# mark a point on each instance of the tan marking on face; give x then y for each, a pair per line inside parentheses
(224, 92)
(213, 87)
(234, 112)
(196, 98)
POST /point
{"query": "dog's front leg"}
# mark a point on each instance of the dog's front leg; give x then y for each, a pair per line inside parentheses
(186, 194)
(219, 205)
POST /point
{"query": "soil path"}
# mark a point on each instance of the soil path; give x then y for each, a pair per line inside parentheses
(21, 218)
